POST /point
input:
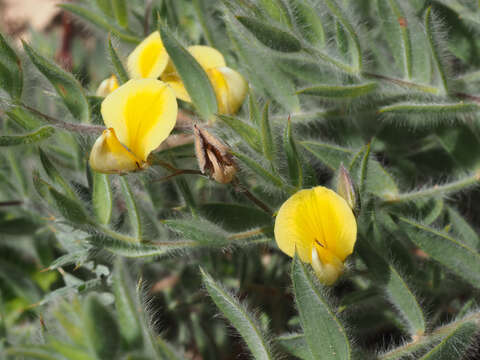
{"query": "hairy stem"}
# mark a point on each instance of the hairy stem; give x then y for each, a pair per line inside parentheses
(243, 190)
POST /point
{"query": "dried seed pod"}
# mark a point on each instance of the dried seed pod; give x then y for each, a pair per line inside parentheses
(214, 158)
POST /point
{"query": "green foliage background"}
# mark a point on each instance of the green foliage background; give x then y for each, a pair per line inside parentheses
(99, 266)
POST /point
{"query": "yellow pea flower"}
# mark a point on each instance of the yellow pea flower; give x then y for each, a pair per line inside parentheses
(107, 86)
(229, 86)
(320, 226)
(139, 116)
(149, 59)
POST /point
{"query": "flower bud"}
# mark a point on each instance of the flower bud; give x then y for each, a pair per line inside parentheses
(346, 188)
(107, 86)
(214, 158)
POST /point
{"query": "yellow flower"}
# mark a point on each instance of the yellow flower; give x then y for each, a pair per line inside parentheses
(139, 115)
(229, 86)
(149, 58)
(320, 226)
(107, 86)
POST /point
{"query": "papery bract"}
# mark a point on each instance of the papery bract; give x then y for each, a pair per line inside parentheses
(107, 86)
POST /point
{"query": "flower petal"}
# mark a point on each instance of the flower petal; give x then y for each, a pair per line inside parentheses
(143, 112)
(207, 56)
(230, 89)
(109, 156)
(149, 59)
(316, 217)
(177, 86)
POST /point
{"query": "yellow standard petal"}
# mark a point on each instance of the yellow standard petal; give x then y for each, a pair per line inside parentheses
(107, 86)
(109, 156)
(230, 89)
(149, 58)
(321, 227)
(143, 113)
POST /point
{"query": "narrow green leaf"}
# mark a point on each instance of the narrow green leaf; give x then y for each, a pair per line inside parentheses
(102, 197)
(267, 137)
(17, 226)
(329, 154)
(193, 76)
(446, 109)
(259, 169)
(100, 21)
(70, 352)
(100, 328)
(67, 87)
(339, 91)
(397, 289)
(127, 313)
(105, 6)
(461, 227)
(295, 345)
(247, 132)
(277, 10)
(455, 345)
(342, 39)
(240, 317)
(25, 139)
(24, 118)
(133, 211)
(397, 31)
(234, 217)
(34, 352)
(459, 258)
(69, 208)
(54, 174)
(11, 73)
(201, 231)
(121, 12)
(295, 171)
(253, 109)
(435, 48)
(342, 18)
(120, 71)
(310, 23)
(271, 36)
(324, 333)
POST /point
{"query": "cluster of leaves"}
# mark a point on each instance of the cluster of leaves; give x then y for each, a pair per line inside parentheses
(385, 87)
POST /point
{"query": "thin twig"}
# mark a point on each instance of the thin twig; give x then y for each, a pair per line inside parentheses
(177, 173)
(11, 203)
(243, 190)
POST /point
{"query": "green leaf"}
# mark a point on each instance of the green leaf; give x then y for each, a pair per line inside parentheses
(457, 257)
(127, 313)
(339, 91)
(329, 154)
(17, 226)
(120, 71)
(136, 226)
(240, 317)
(254, 111)
(24, 118)
(100, 328)
(324, 334)
(397, 289)
(11, 73)
(54, 174)
(293, 158)
(430, 27)
(68, 207)
(397, 31)
(271, 36)
(267, 137)
(277, 10)
(67, 87)
(200, 231)
(247, 132)
(259, 170)
(310, 23)
(101, 22)
(25, 139)
(463, 229)
(342, 18)
(121, 12)
(455, 345)
(35, 352)
(435, 109)
(193, 76)
(295, 345)
(105, 6)
(102, 197)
